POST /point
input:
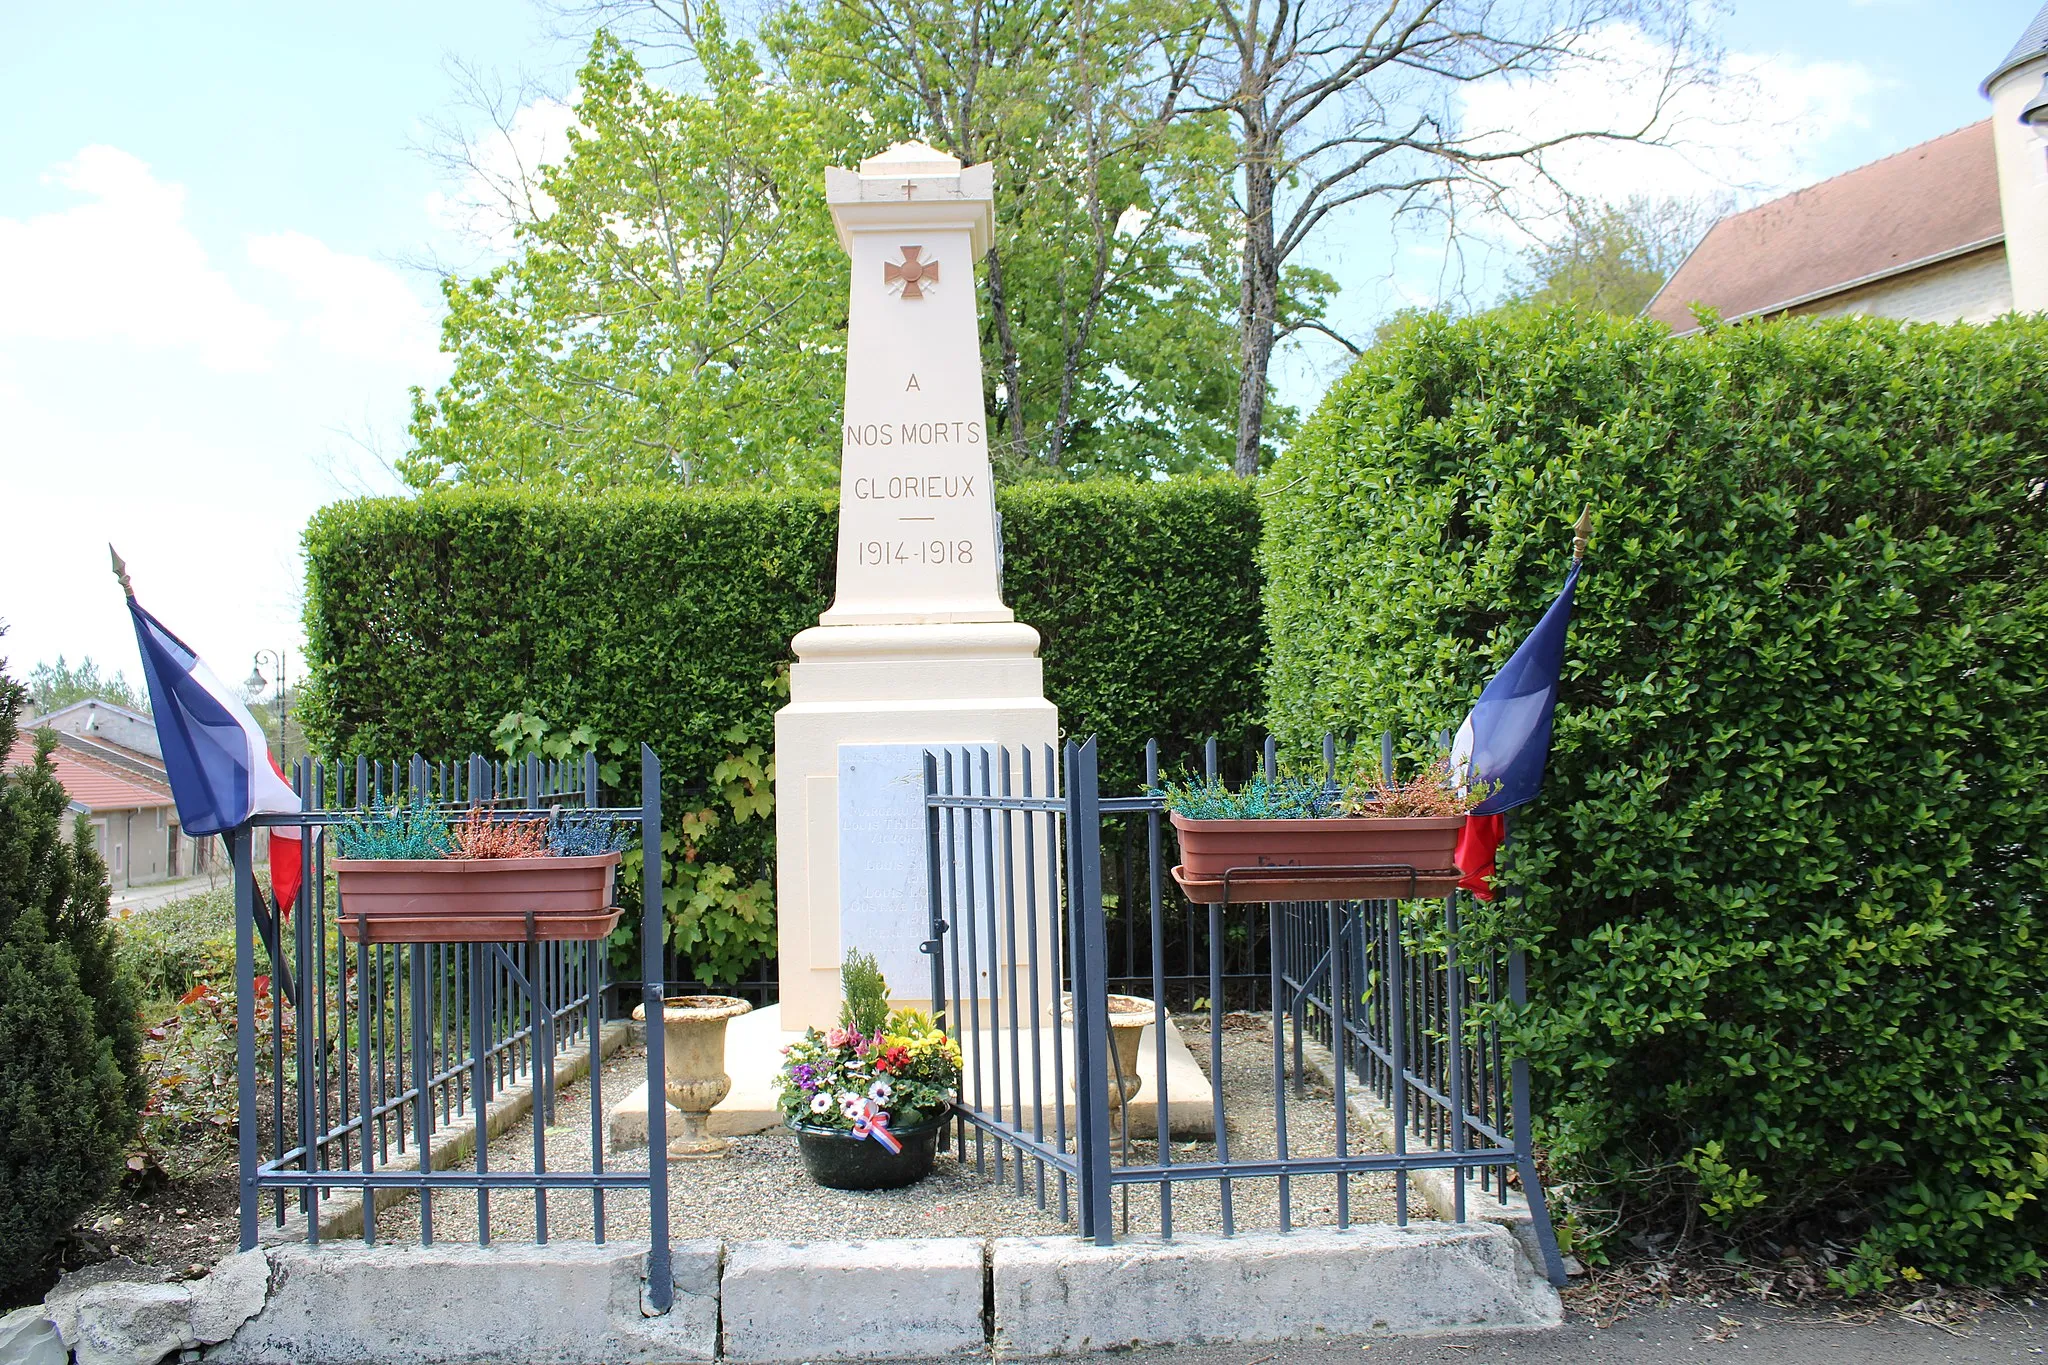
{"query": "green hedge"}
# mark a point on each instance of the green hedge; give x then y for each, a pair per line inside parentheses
(1786, 883)
(661, 615)
(1147, 599)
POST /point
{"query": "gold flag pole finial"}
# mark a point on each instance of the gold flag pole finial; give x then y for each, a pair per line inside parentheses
(1582, 534)
(121, 572)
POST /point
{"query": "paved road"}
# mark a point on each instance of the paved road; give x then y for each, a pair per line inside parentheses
(1688, 1334)
(144, 897)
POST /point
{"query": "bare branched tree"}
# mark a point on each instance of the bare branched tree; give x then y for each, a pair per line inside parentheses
(489, 148)
(1337, 102)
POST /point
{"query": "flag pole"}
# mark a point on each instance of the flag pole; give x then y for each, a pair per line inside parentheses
(266, 920)
(1582, 534)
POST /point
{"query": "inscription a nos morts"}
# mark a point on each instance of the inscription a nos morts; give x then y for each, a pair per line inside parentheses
(963, 433)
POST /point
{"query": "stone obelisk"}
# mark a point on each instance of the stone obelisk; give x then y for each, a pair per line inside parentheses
(917, 649)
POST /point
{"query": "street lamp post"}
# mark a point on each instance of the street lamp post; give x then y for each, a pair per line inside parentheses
(257, 683)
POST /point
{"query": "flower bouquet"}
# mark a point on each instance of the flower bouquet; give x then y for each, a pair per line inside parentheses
(867, 1099)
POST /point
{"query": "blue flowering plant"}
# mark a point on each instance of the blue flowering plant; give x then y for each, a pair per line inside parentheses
(573, 836)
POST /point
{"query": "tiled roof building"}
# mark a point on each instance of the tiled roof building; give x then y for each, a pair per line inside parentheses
(126, 799)
(1953, 230)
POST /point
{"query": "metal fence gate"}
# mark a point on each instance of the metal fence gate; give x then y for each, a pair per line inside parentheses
(373, 1055)
(1389, 996)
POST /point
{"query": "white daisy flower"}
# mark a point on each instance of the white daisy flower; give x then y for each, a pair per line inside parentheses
(853, 1109)
(880, 1092)
(820, 1103)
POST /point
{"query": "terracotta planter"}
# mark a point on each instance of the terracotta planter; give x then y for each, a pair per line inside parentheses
(693, 1065)
(1128, 1017)
(475, 900)
(838, 1160)
(1340, 858)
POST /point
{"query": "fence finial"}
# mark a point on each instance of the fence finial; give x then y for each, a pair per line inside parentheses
(1582, 534)
(121, 572)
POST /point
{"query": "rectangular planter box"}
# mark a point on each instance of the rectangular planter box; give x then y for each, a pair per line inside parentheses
(1339, 858)
(475, 900)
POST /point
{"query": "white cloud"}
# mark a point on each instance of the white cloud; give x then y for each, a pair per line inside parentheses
(497, 179)
(360, 307)
(123, 265)
(1755, 130)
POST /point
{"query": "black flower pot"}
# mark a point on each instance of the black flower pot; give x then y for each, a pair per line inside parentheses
(838, 1160)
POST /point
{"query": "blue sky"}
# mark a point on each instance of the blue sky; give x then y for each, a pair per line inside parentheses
(207, 215)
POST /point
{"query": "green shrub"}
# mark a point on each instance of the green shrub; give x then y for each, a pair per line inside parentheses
(169, 948)
(1785, 886)
(665, 616)
(70, 1087)
(1147, 599)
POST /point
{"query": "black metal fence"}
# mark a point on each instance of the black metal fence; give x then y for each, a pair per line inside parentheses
(372, 1055)
(375, 1054)
(1027, 979)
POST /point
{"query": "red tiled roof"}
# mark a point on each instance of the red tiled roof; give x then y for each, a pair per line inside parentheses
(90, 784)
(1921, 204)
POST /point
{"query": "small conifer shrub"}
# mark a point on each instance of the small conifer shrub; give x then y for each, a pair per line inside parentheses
(69, 1086)
(866, 1005)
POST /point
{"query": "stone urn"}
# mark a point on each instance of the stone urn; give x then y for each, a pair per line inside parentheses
(1128, 1016)
(693, 1066)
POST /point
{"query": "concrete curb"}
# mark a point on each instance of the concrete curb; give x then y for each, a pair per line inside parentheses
(341, 1212)
(758, 1301)
(1054, 1296)
(561, 1304)
(879, 1300)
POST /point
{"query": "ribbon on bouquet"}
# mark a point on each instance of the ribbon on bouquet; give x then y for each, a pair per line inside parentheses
(874, 1123)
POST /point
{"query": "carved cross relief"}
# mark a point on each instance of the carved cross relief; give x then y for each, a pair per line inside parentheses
(913, 276)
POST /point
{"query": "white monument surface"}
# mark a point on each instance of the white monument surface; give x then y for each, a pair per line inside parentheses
(917, 648)
(884, 892)
(917, 651)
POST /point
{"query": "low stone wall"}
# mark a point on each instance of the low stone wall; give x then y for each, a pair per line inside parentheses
(579, 1304)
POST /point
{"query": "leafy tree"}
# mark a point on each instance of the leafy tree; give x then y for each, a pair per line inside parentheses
(69, 1083)
(1106, 287)
(59, 684)
(666, 318)
(1613, 258)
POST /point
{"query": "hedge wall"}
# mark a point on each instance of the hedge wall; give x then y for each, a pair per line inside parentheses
(1147, 596)
(1785, 886)
(660, 616)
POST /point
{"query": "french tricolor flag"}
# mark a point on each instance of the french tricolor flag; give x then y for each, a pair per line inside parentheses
(1505, 742)
(215, 753)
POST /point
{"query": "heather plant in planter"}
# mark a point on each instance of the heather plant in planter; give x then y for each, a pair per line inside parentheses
(410, 875)
(1288, 837)
(867, 1099)
(569, 837)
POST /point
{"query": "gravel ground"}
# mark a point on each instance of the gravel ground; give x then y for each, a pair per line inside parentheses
(1253, 1133)
(747, 1194)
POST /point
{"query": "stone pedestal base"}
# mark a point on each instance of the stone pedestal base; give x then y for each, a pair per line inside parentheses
(753, 1054)
(956, 683)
